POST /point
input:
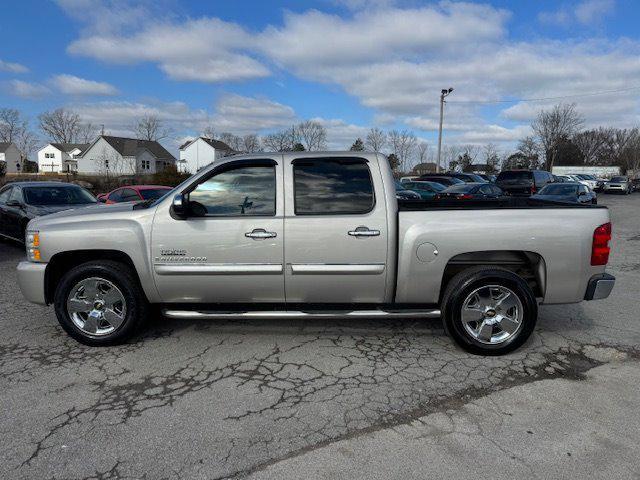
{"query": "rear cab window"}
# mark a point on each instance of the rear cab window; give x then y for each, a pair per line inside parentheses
(514, 176)
(332, 186)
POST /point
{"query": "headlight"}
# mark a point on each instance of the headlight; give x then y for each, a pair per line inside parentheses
(32, 241)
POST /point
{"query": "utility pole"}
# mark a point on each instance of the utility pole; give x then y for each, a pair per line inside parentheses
(443, 94)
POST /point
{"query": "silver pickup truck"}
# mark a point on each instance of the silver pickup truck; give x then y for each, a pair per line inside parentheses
(300, 235)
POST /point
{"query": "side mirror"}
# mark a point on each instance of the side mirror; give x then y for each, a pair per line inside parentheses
(179, 207)
(14, 203)
(102, 199)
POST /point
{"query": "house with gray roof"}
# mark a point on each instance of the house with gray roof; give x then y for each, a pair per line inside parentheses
(200, 152)
(11, 157)
(60, 157)
(109, 155)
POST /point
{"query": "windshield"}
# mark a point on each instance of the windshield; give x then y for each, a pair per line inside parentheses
(559, 189)
(586, 176)
(57, 195)
(517, 175)
(400, 186)
(154, 193)
(461, 188)
(619, 179)
(438, 187)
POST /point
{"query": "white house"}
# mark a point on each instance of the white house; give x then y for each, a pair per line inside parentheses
(200, 152)
(60, 157)
(123, 156)
(11, 156)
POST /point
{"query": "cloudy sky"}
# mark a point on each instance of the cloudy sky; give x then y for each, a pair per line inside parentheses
(256, 66)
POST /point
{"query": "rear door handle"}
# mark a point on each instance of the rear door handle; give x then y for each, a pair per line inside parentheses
(364, 232)
(260, 233)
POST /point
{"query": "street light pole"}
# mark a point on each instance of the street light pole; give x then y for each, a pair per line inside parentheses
(443, 94)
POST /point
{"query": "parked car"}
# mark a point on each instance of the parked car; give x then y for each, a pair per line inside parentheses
(426, 190)
(600, 185)
(523, 182)
(467, 177)
(487, 177)
(134, 193)
(441, 179)
(567, 192)
(408, 179)
(302, 235)
(562, 179)
(23, 201)
(403, 193)
(586, 179)
(471, 191)
(620, 184)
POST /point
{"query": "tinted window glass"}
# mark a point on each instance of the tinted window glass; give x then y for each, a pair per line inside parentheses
(154, 193)
(129, 195)
(332, 187)
(247, 190)
(522, 175)
(485, 189)
(461, 188)
(4, 195)
(62, 195)
(559, 189)
(116, 196)
(619, 179)
(16, 195)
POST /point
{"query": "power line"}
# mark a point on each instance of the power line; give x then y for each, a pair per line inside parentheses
(542, 99)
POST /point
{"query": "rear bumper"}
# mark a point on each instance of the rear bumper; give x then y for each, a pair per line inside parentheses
(600, 286)
(31, 281)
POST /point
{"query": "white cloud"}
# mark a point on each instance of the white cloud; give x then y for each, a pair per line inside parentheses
(394, 60)
(207, 49)
(12, 67)
(20, 88)
(72, 85)
(239, 114)
(586, 12)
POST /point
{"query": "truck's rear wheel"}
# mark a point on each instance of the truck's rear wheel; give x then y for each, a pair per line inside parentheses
(100, 303)
(489, 311)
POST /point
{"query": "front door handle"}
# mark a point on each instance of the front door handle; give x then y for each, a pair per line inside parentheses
(364, 232)
(260, 233)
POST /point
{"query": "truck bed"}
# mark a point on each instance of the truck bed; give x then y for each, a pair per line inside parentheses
(502, 203)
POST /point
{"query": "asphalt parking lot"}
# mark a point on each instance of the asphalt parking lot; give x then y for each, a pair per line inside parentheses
(326, 399)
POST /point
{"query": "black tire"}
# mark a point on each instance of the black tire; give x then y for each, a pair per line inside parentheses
(123, 278)
(463, 284)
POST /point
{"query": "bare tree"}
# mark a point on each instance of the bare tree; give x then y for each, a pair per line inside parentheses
(277, 142)
(552, 126)
(529, 152)
(60, 125)
(15, 129)
(451, 153)
(152, 128)
(403, 144)
(87, 133)
(234, 141)
(251, 143)
(11, 124)
(422, 152)
(312, 134)
(491, 157)
(615, 144)
(376, 140)
(591, 143)
(209, 132)
(630, 157)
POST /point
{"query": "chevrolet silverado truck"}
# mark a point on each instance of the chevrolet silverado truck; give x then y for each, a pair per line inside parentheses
(305, 235)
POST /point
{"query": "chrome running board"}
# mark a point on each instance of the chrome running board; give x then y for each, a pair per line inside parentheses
(280, 314)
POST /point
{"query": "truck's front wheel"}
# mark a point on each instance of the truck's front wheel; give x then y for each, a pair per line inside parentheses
(100, 303)
(489, 311)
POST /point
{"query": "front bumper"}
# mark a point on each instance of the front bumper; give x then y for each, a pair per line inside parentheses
(31, 281)
(600, 286)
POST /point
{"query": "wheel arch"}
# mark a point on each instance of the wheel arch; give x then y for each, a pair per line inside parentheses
(62, 262)
(529, 265)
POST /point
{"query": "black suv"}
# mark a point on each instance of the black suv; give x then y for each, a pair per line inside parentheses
(523, 182)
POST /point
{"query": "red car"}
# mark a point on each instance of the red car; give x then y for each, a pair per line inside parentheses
(134, 193)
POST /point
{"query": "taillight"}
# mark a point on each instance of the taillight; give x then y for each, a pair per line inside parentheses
(600, 249)
(465, 196)
(533, 189)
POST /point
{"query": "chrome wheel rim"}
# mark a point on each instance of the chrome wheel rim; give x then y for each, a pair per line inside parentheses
(492, 314)
(96, 306)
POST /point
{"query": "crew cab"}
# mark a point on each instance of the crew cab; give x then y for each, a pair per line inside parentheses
(311, 234)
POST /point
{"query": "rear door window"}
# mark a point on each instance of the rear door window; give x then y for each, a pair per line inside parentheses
(129, 195)
(332, 186)
(5, 194)
(116, 196)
